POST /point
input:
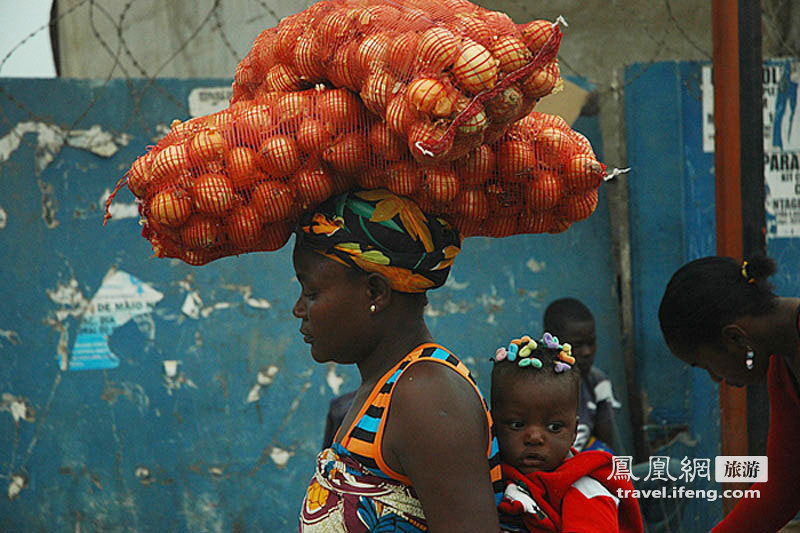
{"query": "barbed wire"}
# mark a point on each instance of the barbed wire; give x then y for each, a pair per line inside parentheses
(777, 15)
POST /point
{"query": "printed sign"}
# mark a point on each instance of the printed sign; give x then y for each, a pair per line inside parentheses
(121, 297)
(781, 86)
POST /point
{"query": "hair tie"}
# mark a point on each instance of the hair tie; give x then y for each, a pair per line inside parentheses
(527, 352)
(745, 275)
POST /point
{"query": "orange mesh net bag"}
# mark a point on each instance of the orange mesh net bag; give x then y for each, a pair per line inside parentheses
(445, 75)
(237, 180)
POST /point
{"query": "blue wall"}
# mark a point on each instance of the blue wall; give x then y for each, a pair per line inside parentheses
(126, 445)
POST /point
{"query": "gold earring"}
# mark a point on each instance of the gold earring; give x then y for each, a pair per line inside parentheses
(372, 308)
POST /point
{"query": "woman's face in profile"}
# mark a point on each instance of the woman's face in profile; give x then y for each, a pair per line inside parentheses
(333, 307)
(724, 365)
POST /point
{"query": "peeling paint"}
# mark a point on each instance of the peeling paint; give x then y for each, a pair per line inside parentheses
(266, 375)
(119, 210)
(173, 379)
(10, 336)
(3, 218)
(132, 391)
(535, 266)
(451, 283)
(192, 305)
(280, 456)
(264, 378)
(19, 407)
(18, 482)
(334, 380)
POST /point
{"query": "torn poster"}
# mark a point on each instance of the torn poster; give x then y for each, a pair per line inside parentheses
(121, 297)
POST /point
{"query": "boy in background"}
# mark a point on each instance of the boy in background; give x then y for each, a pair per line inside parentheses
(571, 321)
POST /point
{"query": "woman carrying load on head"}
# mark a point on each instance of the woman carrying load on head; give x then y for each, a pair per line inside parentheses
(723, 316)
(416, 451)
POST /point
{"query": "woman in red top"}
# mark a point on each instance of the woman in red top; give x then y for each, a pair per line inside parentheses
(723, 316)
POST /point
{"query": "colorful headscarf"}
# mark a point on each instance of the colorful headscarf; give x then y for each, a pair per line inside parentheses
(378, 231)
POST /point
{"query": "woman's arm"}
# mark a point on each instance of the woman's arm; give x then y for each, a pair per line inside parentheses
(437, 435)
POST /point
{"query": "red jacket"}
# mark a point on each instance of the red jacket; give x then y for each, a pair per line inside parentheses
(778, 501)
(574, 497)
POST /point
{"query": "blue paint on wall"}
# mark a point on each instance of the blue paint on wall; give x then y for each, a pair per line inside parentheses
(208, 448)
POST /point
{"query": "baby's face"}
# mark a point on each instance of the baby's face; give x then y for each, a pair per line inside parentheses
(536, 422)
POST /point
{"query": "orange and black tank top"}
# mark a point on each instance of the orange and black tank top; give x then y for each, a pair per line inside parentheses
(362, 441)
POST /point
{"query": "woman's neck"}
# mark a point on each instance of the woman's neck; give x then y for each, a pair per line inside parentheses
(778, 333)
(401, 338)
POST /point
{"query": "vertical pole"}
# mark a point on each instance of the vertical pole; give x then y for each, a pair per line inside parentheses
(738, 137)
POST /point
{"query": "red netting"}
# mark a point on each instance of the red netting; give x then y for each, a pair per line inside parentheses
(446, 76)
(236, 181)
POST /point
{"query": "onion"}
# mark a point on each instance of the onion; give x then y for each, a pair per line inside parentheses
(471, 203)
(506, 105)
(171, 207)
(474, 124)
(437, 49)
(202, 231)
(553, 146)
(505, 197)
(475, 68)
(339, 108)
(431, 96)
(242, 164)
(371, 53)
(402, 53)
(579, 206)
(536, 33)
(284, 78)
(348, 154)
(403, 178)
(289, 30)
(385, 143)
(273, 199)
(476, 167)
(515, 159)
(253, 122)
(308, 57)
(542, 81)
(197, 257)
(372, 178)
(535, 222)
(379, 88)
(343, 70)
(293, 105)
(139, 176)
(207, 145)
(500, 226)
(544, 192)
(440, 184)
(213, 194)
(511, 53)
(169, 162)
(400, 115)
(583, 172)
(313, 136)
(280, 155)
(313, 186)
(243, 227)
(471, 25)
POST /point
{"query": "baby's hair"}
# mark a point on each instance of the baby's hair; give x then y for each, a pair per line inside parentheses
(563, 311)
(540, 360)
(706, 294)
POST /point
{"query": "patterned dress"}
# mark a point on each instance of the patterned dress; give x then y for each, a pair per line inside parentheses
(353, 490)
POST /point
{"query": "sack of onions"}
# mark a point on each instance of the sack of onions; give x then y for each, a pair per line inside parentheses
(445, 75)
(539, 177)
(237, 180)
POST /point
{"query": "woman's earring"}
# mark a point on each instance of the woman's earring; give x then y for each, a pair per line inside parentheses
(372, 308)
(748, 362)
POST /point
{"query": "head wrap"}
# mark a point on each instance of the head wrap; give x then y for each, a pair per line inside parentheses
(378, 231)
